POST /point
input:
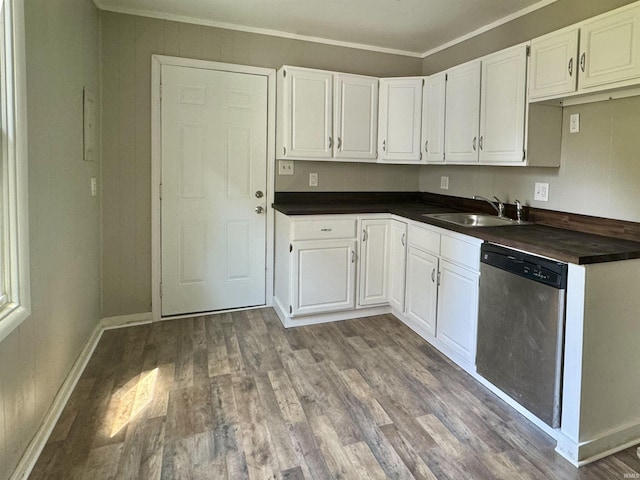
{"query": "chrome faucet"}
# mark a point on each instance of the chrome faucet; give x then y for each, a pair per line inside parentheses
(518, 211)
(498, 208)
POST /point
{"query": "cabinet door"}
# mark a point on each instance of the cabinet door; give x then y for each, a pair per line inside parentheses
(462, 116)
(610, 49)
(355, 117)
(400, 120)
(458, 309)
(433, 105)
(374, 263)
(554, 64)
(503, 106)
(422, 288)
(397, 264)
(323, 276)
(308, 114)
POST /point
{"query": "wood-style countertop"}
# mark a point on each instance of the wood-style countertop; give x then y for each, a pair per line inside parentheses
(562, 244)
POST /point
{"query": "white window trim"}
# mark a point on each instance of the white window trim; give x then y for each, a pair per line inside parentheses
(18, 288)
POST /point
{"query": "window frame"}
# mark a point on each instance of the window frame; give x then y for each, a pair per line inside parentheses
(14, 171)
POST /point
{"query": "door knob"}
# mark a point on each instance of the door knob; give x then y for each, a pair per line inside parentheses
(259, 194)
(259, 209)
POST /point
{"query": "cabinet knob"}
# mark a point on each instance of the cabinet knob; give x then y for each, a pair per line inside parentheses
(259, 194)
(259, 210)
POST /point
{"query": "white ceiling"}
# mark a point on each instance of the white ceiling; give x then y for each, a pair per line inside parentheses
(411, 27)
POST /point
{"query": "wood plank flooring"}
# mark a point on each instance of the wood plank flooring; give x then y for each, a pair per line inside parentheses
(237, 396)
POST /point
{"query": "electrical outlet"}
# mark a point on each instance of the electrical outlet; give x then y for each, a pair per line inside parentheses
(444, 183)
(541, 192)
(574, 123)
(313, 179)
(285, 167)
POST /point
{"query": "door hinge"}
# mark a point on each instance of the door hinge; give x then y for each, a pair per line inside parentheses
(290, 248)
(160, 191)
(444, 157)
(161, 91)
(528, 50)
(446, 77)
(160, 289)
(423, 82)
(290, 309)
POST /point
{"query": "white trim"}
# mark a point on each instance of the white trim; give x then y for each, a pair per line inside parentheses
(260, 31)
(33, 451)
(325, 41)
(18, 212)
(490, 26)
(109, 323)
(156, 167)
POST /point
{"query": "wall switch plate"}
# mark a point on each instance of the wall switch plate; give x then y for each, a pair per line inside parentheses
(444, 183)
(94, 186)
(285, 167)
(541, 192)
(313, 179)
(574, 123)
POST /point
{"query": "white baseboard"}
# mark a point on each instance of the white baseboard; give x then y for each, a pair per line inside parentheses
(119, 321)
(33, 451)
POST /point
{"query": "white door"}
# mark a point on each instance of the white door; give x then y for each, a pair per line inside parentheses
(462, 113)
(610, 48)
(323, 276)
(554, 64)
(214, 157)
(356, 117)
(374, 263)
(458, 309)
(502, 106)
(400, 120)
(308, 113)
(433, 104)
(397, 264)
(422, 289)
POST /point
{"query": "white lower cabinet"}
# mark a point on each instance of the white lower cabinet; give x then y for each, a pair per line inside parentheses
(323, 276)
(458, 309)
(422, 289)
(374, 262)
(441, 301)
(397, 264)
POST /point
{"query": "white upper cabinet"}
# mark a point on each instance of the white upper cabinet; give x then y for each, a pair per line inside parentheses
(610, 48)
(306, 119)
(554, 64)
(399, 125)
(602, 53)
(355, 117)
(433, 115)
(325, 115)
(462, 116)
(503, 102)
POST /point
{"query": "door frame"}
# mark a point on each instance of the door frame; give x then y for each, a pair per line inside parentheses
(157, 61)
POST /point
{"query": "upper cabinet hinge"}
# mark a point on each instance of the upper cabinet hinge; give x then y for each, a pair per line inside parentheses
(290, 248)
(160, 191)
(446, 77)
(284, 73)
(528, 50)
(161, 91)
(423, 82)
(444, 157)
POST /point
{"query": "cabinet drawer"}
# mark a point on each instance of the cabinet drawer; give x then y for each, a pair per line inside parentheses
(460, 252)
(319, 229)
(424, 239)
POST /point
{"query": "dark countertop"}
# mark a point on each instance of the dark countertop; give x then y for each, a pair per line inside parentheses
(561, 244)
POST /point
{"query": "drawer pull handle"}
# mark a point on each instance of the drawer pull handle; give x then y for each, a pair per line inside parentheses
(402, 239)
(326, 229)
(571, 67)
(433, 275)
(583, 61)
(364, 235)
(353, 256)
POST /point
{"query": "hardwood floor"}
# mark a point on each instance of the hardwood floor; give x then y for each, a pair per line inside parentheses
(237, 396)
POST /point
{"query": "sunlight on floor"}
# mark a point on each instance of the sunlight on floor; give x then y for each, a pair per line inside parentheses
(133, 399)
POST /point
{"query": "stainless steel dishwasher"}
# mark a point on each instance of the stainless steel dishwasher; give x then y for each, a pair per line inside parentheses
(521, 328)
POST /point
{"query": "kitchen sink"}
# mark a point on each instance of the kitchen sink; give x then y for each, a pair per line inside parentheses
(474, 219)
